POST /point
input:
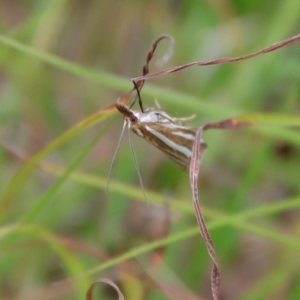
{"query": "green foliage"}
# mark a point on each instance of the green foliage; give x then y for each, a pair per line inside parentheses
(61, 64)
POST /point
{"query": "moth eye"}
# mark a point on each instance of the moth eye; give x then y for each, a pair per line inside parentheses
(133, 119)
(159, 117)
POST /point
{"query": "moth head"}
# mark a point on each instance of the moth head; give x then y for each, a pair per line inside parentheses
(132, 120)
(129, 115)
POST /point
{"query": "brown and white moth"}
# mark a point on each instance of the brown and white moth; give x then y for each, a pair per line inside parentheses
(155, 126)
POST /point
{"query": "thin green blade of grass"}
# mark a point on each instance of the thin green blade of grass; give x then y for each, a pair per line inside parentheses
(285, 134)
(8, 229)
(98, 76)
(295, 288)
(115, 187)
(269, 119)
(20, 178)
(271, 124)
(42, 202)
(176, 203)
(255, 119)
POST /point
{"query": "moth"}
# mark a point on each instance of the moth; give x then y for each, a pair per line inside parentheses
(163, 132)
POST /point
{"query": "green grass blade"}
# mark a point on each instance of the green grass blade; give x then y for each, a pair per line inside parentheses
(41, 203)
(20, 178)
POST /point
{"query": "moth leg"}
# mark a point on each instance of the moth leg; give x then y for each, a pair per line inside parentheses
(158, 105)
(138, 95)
(191, 117)
(172, 119)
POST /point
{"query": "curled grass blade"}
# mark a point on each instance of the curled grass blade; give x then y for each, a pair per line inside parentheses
(218, 61)
(89, 294)
(194, 169)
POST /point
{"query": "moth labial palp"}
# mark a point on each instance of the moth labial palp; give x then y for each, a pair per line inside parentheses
(163, 132)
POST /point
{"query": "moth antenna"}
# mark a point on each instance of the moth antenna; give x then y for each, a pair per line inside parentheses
(114, 158)
(136, 166)
(183, 119)
(157, 104)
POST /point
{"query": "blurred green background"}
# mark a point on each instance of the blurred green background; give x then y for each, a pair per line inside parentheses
(74, 58)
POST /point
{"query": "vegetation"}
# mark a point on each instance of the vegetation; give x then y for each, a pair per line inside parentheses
(61, 64)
